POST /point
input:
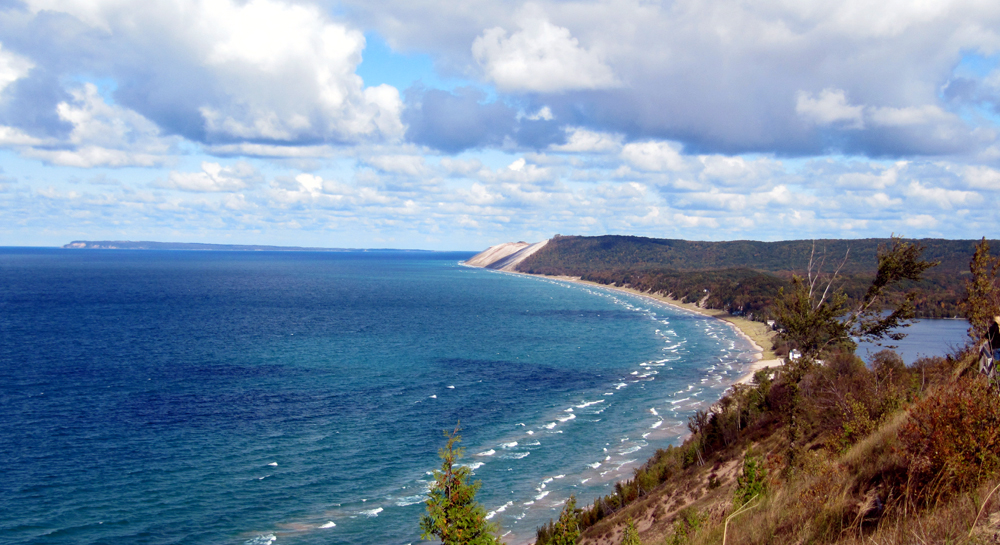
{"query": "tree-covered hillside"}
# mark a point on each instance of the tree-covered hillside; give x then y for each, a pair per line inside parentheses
(743, 276)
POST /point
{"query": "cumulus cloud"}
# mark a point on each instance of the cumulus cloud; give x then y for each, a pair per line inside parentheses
(720, 76)
(213, 178)
(654, 156)
(829, 108)
(580, 140)
(540, 57)
(102, 135)
(224, 71)
(12, 68)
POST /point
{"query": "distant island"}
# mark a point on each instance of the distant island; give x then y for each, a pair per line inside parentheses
(150, 245)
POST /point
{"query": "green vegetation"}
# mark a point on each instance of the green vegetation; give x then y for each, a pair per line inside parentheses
(743, 277)
(832, 450)
(453, 515)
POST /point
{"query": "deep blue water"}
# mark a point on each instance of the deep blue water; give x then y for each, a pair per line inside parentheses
(258, 397)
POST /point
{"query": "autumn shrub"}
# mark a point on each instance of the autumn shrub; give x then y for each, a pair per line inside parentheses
(952, 440)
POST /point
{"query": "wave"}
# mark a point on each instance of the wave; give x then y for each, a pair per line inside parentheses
(411, 500)
(490, 452)
(550, 425)
(273, 464)
(500, 509)
(516, 455)
(657, 424)
(586, 404)
(262, 539)
(542, 495)
(372, 512)
(512, 444)
(566, 418)
(329, 524)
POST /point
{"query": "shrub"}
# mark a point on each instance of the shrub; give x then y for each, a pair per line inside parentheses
(952, 440)
(751, 483)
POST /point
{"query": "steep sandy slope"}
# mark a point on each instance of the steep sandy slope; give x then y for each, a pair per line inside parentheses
(506, 256)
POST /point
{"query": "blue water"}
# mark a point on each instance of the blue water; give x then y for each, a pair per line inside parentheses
(299, 398)
(924, 338)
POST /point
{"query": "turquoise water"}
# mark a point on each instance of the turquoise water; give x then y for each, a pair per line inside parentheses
(257, 397)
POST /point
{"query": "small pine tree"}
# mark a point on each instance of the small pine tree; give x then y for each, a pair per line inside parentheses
(631, 535)
(453, 515)
(567, 529)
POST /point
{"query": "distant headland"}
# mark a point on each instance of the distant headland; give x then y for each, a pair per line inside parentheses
(150, 245)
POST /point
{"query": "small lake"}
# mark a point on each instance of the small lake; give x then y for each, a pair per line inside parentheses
(924, 338)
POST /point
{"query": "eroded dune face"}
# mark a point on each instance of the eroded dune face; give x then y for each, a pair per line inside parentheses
(506, 256)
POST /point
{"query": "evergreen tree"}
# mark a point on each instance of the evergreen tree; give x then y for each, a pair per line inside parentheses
(631, 535)
(567, 529)
(982, 302)
(453, 515)
(817, 314)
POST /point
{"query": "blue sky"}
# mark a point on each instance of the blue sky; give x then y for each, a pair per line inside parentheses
(425, 124)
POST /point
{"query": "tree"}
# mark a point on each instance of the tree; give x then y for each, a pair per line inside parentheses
(631, 535)
(453, 515)
(982, 301)
(817, 315)
(567, 528)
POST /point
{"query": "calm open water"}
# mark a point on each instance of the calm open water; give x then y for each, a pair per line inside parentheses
(259, 397)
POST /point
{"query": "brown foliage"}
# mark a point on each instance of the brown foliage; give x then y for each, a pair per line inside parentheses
(952, 440)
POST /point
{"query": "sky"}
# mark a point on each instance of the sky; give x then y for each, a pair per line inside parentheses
(459, 125)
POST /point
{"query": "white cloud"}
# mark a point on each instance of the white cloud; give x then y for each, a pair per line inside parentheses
(654, 156)
(12, 67)
(939, 197)
(830, 108)
(909, 116)
(103, 135)
(213, 178)
(255, 70)
(583, 141)
(871, 181)
(540, 57)
(411, 165)
(982, 177)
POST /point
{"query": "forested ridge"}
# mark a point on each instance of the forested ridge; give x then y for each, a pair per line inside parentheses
(743, 276)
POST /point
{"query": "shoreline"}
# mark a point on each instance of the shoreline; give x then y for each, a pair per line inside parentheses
(750, 331)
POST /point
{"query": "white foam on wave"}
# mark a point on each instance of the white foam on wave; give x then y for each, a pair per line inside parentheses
(530, 432)
(569, 410)
(473, 466)
(500, 509)
(533, 444)
(451, 387)
(634, 373)
(566, 418)
(653, 410)
(542, 495)
(594, 465)
(411, 500)
(512, 444)
(516, 455)
(371, 512)
(329, 524)
(273, 464)
(630, 450)
(620, 385)
(550, 425)
(262, 539)
(434, 396)
(490, 452)
(656, 424)
(680, 401)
